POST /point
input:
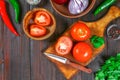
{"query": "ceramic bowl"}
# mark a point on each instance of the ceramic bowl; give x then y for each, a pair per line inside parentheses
(63, 9)
(28, 20)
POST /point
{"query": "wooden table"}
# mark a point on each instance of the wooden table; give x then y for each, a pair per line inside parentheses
(24, 58)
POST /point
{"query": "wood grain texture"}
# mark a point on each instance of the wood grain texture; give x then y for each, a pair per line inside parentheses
(24, 58)
(1, 51)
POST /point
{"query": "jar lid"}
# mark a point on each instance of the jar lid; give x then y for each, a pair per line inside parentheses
(33, 2)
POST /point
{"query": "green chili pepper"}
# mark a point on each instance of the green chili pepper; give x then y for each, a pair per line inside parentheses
(97, 41)
(110, 70)
(16, 7)
(105, 4)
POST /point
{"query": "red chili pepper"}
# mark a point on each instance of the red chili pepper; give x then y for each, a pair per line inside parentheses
(5, 17)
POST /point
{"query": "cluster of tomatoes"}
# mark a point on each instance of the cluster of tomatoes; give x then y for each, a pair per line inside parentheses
(81, 50)
(41, 21)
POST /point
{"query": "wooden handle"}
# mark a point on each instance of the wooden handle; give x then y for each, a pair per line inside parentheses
(80, 67)
(98, 27)
(112, 14)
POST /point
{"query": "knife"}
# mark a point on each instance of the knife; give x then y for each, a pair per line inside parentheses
(66, 61)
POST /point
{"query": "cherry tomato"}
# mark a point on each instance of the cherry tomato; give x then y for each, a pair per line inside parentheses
(63, 45)
(37, 30)
(80, 31)
(82, 52)
(42, 18)
(60, 1)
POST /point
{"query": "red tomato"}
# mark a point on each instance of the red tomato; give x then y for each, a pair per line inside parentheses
(80, 31)
(60, 1)
(82, 52)
(63, 45)
(37, 30)
(42, 18)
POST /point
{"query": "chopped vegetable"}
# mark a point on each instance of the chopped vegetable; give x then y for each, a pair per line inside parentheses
(42, 18)
(110, 70)
(37, 30)
(97, 41)
(77, 6)
(63, 45)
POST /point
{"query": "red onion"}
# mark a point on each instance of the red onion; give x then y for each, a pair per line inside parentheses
(77, 6)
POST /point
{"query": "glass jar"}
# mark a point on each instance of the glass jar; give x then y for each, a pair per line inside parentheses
(33, 2)
(113, 32)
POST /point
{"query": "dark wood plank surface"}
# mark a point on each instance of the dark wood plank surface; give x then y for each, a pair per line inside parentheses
(23, 57)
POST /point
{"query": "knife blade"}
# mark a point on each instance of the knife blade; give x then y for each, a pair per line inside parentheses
(66, 61)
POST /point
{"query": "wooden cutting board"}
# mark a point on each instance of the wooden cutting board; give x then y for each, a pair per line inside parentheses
(97, 28)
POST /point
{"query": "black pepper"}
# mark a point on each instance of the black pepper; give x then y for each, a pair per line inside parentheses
(113, 32)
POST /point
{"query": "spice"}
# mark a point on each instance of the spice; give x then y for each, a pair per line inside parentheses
(113, 32)
(33, 2)
(16, 7)
(110, 70)
(105, 4)
(97, 41)
(5, 17)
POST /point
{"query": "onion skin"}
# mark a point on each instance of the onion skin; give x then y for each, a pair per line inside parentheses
(77, 6)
